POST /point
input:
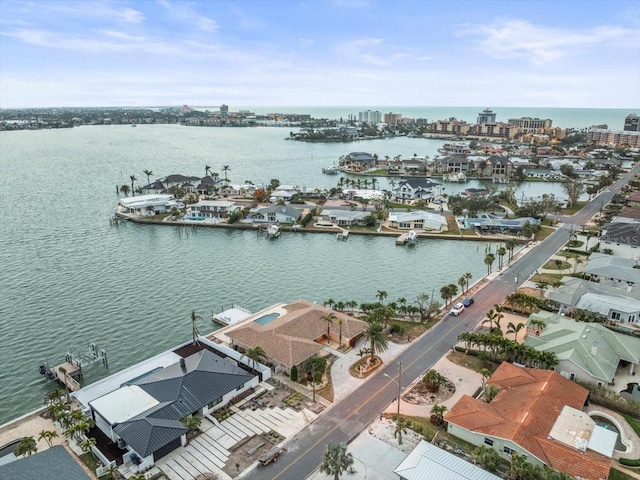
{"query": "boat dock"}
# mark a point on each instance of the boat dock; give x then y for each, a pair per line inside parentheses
(67, 374)
(407, 237)
(232, 315)
(343, 235)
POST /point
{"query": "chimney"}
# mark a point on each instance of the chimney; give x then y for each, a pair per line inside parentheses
(594, 348)
(183, 365)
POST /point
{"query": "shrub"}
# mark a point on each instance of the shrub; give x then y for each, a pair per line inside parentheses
(306, 219)
(397, 329)
(609, 399)
(629, 462)
(294, 373)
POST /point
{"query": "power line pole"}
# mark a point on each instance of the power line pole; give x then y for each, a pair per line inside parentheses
(399, 388)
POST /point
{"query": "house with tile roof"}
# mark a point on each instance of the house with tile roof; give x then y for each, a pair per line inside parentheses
(589, 352)
(141, 413)
(536, 413)
(290, 334)
(608, 267)
(55, 462)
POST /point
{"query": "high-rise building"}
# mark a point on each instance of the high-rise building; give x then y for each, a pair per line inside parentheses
(631, 123)
(224, 110)
(370, 116)
(486, 116)
(392, 118)
(616, 138)
(529, 124)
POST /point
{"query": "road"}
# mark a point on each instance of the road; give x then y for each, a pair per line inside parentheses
(344, 420)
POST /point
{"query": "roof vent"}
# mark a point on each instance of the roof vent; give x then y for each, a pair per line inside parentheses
(183, 364)
(594, 348)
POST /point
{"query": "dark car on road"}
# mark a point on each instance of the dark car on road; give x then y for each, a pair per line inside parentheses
(467, 301)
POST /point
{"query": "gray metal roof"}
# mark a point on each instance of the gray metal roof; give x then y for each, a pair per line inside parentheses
(625, 233)
(181, 391)
(55, 462)
(427, 462)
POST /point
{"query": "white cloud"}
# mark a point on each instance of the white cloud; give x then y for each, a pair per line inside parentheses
(187, 13)
(361, 50)
(521, 39)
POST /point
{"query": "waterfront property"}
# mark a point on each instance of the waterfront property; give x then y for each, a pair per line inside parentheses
(148, 205)
(345, 217)
(418, 220)
(290, 334)
(490, 223)
(452, 164)
(212, 209)
(622, 237)
(358, 162)
(588, 352)
(139, 411)
(272, 214)
(616, 302)
(414, 188)
(54, 462)
(536, 413)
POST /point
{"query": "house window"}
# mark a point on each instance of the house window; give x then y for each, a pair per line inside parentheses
(240, 387)
(615, 315)
(508, 451)
(488, 441)
(214, 402)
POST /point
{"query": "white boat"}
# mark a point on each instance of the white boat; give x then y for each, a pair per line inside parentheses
(332, 170)
(411, 236)
(273, 231)
(454, 177)
(500, 180)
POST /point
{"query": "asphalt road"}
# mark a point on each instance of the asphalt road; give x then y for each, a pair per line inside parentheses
(344, 420)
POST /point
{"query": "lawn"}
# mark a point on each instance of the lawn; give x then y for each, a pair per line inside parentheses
(544, 233)
(575, 208)
(635, 424)
(471, 362)
(618, 475)
(547, 277)
(557, 265)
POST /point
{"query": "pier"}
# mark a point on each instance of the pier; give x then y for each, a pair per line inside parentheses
(343, 235)
(407, 238)
(69, 372)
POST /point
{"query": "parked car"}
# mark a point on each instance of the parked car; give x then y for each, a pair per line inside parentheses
(467, 301)
(457, 309)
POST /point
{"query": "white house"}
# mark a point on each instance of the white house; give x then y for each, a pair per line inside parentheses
(211, 209)
(412, 189)
(344, 217)
(272, 214)
(602, 266)
(148, 205)
(418, 220)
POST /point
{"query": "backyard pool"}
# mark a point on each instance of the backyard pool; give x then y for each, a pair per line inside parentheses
(606, 423)
(268, 318)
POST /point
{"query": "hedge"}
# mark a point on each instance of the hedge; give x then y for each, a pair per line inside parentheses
(630, 463)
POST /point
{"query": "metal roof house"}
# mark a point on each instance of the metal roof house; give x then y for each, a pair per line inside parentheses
(418, 219)
(608, 267)
(142, 412)
(589, 352)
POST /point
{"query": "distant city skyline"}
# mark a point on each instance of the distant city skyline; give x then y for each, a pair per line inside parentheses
(583, 54)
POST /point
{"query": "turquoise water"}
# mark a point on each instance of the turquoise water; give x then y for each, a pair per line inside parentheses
(270, 317)
(69, 278)
(605, 423)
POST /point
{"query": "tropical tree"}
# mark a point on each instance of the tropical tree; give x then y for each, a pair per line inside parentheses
(150, 209)
(328, 318)
(468, 277)
(148, 173)
(48, 436)
(433, 380)
(377, 338)
(27, 446)
(54, 397)
(437, 414)
(490, 392)
(192, 422)
(486, 374)
(207, 170)
(487, 457)
(537, 325)
(510, 245)
(512, 328)
(340, 323)
(133, 179)
(488, 261)
(381, 295)
(225, 169)
(255, 355)
(87, 444)
(502, 251)
(462, 281)
(194, 327)
(336, 460)
(124, 189)
(401, 427)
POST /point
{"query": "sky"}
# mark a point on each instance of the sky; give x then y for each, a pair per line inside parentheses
(553, 53)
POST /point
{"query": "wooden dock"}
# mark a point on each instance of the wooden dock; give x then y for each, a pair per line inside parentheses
(67, 379)
(343, 235)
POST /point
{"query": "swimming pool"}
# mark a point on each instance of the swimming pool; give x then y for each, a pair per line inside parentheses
(268, 318)
(609, 425)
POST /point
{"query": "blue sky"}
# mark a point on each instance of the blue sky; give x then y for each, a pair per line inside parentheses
(550, 53)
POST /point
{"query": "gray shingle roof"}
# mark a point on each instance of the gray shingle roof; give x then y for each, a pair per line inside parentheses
(55, 462)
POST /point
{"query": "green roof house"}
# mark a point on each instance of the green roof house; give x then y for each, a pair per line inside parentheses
(588, 352)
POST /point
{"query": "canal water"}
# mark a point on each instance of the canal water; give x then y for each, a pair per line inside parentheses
(68, 278)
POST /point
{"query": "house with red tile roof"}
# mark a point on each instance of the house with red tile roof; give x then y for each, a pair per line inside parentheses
(536, 413)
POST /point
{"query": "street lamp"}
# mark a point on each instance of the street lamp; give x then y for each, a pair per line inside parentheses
(399, 382)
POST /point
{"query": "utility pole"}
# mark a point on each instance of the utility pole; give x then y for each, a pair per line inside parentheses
(399, 388)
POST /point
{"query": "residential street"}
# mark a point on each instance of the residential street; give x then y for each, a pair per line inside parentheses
(353, 413)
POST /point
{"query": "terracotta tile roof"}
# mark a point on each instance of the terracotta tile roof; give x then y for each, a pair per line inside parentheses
(524, 411)
(291, 338)
(589, 464)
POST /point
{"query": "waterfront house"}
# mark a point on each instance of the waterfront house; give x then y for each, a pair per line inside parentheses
(272, 214)
(358, 161)
(154, 188)
(176, 180)
(244, 190)
(589, 352)
(212, 209)
(490, 223)
(418, 220)
(139, 206)
(416, 188)
(607, 267)
(140, 409)
(344, 217)
(452, 164)
(619, 304)
(54, 462)
(290, 334)
(622, 237)
(497, 167)
(207, 185)
(536, 413)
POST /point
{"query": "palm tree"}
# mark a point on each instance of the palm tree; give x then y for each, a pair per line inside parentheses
(150, 209)
(329, 303)
(437, 414)
(124, 189)
(329, 318)
(462, 281)
(486, 374)
(255, 355)
(537, 325)
(381, 295)
(501, 253)
(148, 173)
(340, 323)
(87, 444)
(377, 338)
(511, 328)
(336, 460)
(27, 446)
(207, 170)
(468, 277)
(225, 169)
(192, 422)
(510, 245)
(48, 436)
(488, 261)
(194, 327)
(401, 427)
(53, 397)
(133, 179)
